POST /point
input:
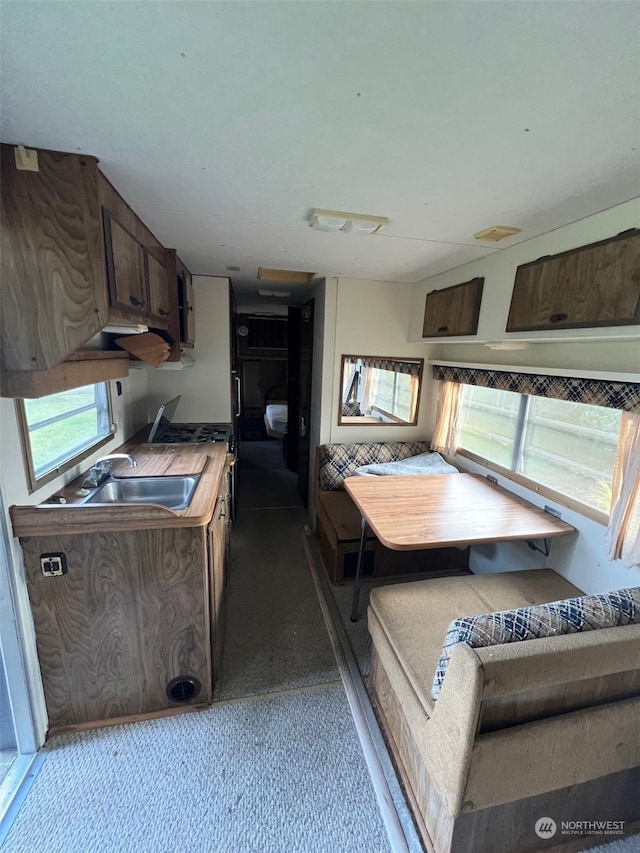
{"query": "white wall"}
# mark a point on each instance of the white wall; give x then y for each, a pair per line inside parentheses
(129, 414)
(372, 318)
(499, 271)
(580, 558)
(206, 386)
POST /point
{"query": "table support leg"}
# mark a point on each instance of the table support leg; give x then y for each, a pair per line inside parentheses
(358, 580)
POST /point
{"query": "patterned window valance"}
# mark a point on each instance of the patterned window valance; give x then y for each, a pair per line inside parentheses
(412, 368)
(595, 392)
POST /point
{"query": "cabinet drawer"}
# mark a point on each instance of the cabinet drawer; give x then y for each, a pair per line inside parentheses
(594, 285)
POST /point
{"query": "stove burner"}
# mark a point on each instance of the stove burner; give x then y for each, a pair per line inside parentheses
(193, 434)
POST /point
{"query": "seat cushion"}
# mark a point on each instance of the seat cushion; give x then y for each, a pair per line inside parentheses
(415, 616)
(567, 616)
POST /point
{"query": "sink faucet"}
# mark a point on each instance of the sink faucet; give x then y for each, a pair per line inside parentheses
(101, 469)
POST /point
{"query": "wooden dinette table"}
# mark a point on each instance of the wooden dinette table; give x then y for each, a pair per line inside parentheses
(424, 511)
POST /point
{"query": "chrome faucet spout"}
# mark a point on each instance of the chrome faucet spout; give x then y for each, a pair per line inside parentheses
(110, 456)
(100, 470)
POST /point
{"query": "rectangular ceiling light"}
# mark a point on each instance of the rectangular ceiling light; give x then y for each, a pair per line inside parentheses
(356, 223)
(496, 233)
(288, 276)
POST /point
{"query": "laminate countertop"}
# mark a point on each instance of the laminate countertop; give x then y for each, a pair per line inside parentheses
(210, 461)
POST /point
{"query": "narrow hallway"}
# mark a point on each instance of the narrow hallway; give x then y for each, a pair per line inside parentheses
(274, 766)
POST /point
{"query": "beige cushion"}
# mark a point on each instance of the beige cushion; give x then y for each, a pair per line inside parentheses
(415, 616)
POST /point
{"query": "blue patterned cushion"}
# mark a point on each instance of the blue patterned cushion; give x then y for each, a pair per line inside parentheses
(337, 461)
(587, 613)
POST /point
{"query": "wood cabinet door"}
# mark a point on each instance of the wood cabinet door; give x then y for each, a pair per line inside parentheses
(125, 270)
(185, 300)
(453, 310)
(190, 336)
(52, 259)
(218, 533)
(595, 285)
(159, 303)
(127, 619)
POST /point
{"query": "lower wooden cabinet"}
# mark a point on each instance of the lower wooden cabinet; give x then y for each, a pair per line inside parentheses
(135, 625)
(218, 535)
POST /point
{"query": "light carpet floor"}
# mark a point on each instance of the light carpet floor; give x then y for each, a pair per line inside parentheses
(275, 768)
(280, 773)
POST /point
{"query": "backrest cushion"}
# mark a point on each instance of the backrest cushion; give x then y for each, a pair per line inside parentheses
(569, 616)
(337, 461)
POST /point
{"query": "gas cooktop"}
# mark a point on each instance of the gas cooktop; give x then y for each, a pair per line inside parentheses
(193, 434)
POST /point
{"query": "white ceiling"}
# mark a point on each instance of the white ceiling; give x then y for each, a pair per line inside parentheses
(224, 123)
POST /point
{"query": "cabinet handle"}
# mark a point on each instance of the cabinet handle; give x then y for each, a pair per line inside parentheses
(189, 307)
(443, 328)
(135, 301)
(162, 312)
(557, 318)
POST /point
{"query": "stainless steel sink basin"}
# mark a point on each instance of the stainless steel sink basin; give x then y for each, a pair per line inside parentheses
(172, 492)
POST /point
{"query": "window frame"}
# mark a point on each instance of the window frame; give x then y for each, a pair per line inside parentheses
(522, 480)
(33, 482)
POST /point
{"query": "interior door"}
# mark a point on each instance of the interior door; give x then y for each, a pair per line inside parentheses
(304, 398)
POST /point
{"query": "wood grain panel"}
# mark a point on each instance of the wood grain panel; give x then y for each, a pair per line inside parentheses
(453, 310)
(70, 373)
(447, 509)
(594, 285)
(130, 615)
(504, 711)
(125, 269)
(52, 259)
(159, 302)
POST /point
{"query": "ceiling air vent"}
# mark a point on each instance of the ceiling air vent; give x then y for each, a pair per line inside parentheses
(496, 233)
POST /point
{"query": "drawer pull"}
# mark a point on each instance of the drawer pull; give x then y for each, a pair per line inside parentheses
(162, 312)
(557, 318)
(443, 328)
(135, 301)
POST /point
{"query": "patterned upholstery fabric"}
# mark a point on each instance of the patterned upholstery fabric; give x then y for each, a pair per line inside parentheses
(587, 613)
(595, 392)
(337, 461)
(351, 410)
(424, 463)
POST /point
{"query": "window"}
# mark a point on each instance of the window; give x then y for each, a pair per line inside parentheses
(392, 393)
(60, 430)
(567, 448)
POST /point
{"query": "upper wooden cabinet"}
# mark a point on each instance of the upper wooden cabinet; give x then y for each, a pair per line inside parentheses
(75, 258)
(594, 285)
(159, 303)
(453, 310)
(138, 277)
(186, 301)
(54, 294)
(125, 269)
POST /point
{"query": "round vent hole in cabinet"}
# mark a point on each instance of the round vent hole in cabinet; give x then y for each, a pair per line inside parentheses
(183, 689)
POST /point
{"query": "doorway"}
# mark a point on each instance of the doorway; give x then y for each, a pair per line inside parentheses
(18, 740)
